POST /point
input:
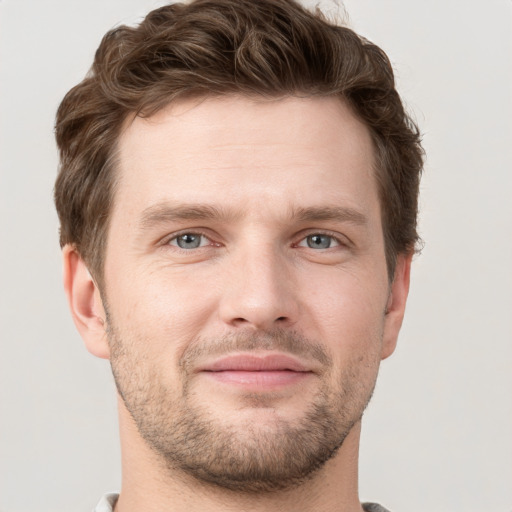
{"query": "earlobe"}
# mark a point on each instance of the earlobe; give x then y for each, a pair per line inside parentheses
(397, 300)
(85, 303)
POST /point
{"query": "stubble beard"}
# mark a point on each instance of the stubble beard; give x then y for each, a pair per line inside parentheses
(249, 458)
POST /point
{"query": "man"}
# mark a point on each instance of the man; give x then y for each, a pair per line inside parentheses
(238, 200)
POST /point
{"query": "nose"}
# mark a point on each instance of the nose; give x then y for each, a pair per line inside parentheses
(259, 291)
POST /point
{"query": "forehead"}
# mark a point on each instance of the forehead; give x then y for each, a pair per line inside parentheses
(242, 151)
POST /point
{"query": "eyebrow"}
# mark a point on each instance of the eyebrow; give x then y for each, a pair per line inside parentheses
(163, 213)
(334, 213)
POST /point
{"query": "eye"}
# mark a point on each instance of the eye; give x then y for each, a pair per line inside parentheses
(319, 241)
(189, 241)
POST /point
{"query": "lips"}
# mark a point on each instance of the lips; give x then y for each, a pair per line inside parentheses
(257, 372)
(252, 363)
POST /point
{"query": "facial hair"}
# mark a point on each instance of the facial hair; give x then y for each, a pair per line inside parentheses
(275, 455)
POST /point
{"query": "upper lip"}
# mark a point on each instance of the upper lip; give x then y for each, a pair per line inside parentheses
(256, 363)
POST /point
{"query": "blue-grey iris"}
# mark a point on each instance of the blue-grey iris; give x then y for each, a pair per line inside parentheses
(189, 241)
(319, 241)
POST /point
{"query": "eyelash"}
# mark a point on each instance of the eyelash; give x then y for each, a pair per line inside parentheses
(331, 236)
(340, 241)
(175, 237)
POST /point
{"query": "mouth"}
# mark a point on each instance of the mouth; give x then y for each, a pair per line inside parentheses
(257, 372)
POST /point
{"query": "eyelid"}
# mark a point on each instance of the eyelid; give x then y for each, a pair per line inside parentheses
(342, 240)
(166, 241)
(334, 242)
(203, 241)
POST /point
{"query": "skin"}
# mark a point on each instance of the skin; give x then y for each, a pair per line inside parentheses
(273, 177)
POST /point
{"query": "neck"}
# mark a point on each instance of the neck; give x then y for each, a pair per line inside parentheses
(149, 485)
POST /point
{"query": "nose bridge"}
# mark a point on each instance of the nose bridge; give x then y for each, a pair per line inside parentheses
(260, 289)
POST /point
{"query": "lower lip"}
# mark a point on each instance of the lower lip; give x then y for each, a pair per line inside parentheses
(258, 379)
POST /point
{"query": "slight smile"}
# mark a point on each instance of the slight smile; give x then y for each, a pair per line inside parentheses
(258, 372)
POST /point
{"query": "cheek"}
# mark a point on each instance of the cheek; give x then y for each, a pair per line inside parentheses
(349, 316)
(167, 309)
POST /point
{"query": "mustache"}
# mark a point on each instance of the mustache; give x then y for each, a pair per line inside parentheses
(289, 342)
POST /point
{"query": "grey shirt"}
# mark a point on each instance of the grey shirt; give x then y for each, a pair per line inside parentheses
(108, 501)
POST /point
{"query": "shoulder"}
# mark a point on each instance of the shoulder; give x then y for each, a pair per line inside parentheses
(373, 507)
(107, 502)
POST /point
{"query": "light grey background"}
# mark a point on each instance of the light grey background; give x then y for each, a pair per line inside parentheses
(438, 435)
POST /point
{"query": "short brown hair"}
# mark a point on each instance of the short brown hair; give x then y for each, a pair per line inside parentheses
(269, 48)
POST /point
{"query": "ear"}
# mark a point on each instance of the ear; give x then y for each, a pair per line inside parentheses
(396, 304)
(85, 303)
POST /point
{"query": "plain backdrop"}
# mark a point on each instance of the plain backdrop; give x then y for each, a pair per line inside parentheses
(438, 434)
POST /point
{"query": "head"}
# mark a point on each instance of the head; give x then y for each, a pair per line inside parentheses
(241, 180)
(268, 49)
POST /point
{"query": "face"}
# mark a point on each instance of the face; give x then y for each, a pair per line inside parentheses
(247, 299)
